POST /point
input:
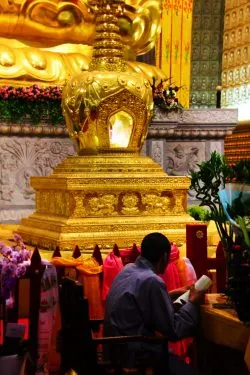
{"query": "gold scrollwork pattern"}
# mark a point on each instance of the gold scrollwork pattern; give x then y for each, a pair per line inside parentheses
(59, 203)
(155, 203)
(180, 203)
(128, 227)
(79, 209)
(38, 201)
(130, 203)
(102, 205)
(54, 202)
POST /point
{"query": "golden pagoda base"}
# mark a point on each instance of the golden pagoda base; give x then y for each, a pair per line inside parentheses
(106, 199)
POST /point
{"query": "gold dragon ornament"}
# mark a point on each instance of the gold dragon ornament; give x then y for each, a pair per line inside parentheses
(46, 41)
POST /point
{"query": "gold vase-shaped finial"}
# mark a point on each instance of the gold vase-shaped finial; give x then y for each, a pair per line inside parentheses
(108, 49)
(107, 109)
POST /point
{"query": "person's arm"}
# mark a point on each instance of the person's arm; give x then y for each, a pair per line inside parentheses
(174, 325)
(175, 293)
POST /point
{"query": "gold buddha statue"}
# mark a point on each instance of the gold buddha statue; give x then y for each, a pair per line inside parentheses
(46, 41)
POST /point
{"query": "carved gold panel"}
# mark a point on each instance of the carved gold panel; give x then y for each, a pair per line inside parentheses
(114, 198)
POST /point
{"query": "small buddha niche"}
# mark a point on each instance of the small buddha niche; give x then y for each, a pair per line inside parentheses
(120, 129)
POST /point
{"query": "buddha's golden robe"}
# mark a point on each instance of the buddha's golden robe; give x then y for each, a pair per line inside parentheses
(46, 41)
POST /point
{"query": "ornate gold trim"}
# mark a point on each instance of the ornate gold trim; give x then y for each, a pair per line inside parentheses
(106, 199)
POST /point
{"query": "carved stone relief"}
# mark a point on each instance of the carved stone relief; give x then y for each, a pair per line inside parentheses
(21, 158)
(157, 151)
(14, 215)
(213, 146)
(194, 116)
(184, 156)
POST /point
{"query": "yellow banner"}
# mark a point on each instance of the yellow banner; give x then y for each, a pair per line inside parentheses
(174, 45)
(165, 43)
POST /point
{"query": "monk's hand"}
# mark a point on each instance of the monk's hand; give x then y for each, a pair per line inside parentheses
(196, 296)
(175, 293)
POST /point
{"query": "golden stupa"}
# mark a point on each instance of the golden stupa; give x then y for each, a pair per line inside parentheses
(46, 41)
(108, 193)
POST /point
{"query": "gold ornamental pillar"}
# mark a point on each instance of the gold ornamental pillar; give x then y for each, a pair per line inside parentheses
(108, 193)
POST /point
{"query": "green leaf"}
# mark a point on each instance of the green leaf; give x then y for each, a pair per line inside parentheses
(243, 227)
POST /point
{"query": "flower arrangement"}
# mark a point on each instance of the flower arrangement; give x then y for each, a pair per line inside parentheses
(31, 93)
(165, 95)
(31, 103)
(13, 264)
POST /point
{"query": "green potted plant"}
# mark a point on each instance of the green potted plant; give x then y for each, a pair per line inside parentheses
(199, 213)
(229, 205)
(206, 182)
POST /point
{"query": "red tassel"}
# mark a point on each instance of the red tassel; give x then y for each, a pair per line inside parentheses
(134, 253)
(57, 252)
(116, 250)
(76, 253)
(35, 261)
(97, 255)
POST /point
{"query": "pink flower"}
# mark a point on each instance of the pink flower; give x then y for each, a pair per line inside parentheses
(10, 302)
(26, 254)
(21, 270)
(6, 251)
(17, 237)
